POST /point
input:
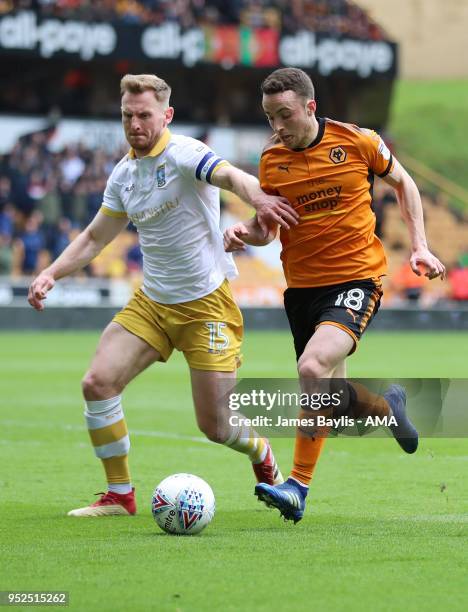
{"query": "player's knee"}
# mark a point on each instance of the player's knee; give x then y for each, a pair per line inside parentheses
(212, 431)
(313, 367)
(95, 386)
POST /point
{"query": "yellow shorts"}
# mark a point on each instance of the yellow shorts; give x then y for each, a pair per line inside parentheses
(208, 331)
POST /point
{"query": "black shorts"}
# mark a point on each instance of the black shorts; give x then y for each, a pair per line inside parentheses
(349, 306)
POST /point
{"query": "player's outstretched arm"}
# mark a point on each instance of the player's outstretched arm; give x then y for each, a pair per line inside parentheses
(271, 209)
(77, 255)
(412, 211)
(248, 232)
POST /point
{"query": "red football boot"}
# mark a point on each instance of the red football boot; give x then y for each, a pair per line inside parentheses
(109, 504)
(268, 470)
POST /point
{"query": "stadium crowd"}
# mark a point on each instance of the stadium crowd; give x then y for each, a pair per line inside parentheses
(47, 197)
(338, 17)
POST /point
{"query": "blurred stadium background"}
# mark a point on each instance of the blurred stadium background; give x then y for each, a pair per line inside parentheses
(61, 135)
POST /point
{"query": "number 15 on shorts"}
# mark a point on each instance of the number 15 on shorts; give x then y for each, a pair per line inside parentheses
(218, 341)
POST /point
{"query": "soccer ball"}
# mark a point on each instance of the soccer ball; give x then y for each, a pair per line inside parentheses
(183, 504)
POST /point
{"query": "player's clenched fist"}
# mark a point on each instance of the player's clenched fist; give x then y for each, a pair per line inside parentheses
(275, 210)
(233, 237)
(39, 288)
(432, 267)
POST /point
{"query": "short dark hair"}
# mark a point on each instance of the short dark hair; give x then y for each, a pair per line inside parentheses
(289, 79)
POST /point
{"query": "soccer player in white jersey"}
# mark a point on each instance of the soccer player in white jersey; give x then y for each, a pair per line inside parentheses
(167, 186)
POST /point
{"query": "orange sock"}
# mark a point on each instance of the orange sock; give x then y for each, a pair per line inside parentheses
(366, 403)
(306, 454)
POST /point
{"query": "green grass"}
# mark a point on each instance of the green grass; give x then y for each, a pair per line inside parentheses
(429, 120)
(383, 531)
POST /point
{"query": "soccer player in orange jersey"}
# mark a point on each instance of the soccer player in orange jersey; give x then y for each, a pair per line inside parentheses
(332, 259)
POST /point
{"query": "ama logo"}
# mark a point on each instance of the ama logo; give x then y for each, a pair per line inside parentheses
(191, 505)
(160, 502)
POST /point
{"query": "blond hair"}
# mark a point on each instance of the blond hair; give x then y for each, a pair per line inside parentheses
(139, 83)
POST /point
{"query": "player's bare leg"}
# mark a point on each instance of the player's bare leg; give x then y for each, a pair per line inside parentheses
(340, 370)
(120, 356)
(209, 391)
(322, 358)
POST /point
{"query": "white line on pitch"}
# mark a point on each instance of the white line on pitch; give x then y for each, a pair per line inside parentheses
(134, 432)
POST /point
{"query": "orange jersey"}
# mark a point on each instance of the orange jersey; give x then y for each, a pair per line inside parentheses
(329, 184)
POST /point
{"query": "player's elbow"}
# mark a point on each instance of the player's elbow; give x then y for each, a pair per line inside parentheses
(406, 186)
(94, 241)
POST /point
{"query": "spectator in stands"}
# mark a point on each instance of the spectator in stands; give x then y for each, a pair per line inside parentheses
(333, 16)
(6, 255)
(72, 166)
(61, 238)
(30, 246)
(7, 213)
(458, 278)
(50, 204)
(5, 191)
(94, 196)
(7, 220)
(406, 284)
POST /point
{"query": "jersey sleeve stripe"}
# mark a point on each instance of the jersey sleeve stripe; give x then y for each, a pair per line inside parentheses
(222, 163)
(201, 165)
(388, 168)
(112, 213)
(214, 166)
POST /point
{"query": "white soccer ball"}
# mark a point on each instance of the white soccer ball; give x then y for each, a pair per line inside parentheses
(183, 504)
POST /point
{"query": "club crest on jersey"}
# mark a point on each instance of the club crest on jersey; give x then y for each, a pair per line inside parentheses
(161, 175)
(338, 155)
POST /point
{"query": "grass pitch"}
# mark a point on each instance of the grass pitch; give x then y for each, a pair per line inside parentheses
(428, 121)
(382, 531)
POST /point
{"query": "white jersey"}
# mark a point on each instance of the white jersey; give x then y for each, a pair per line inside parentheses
(167, 195)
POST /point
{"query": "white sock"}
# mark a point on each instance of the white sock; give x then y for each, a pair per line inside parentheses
(244, 439)
(120, 488)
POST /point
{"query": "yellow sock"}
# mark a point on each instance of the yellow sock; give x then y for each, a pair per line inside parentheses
(117, 471)
(109, 436)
